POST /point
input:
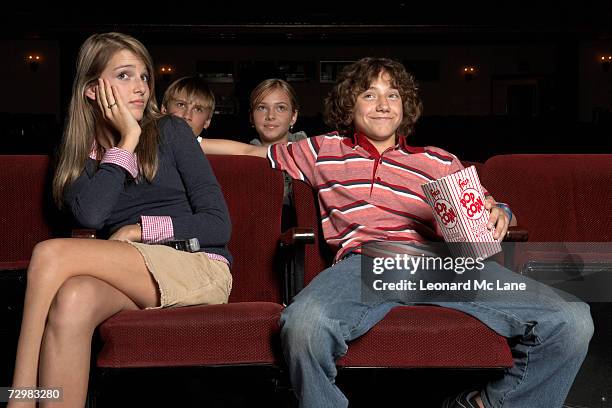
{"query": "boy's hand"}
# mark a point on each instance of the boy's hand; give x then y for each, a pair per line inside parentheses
(497, 219)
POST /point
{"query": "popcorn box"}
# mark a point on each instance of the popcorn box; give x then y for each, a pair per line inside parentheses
(458, 202)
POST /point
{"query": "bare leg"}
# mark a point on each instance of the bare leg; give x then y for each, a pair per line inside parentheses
(53, 262)
(81, 304)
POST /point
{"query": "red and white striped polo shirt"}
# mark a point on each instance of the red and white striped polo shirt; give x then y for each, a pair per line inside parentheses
(365, 196)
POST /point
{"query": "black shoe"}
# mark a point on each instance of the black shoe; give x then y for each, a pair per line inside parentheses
(466, 399)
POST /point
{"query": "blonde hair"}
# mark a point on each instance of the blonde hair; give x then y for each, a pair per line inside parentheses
(79, 132)
(193, 86)
(268, 86)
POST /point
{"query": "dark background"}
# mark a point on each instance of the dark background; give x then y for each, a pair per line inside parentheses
(539, 86)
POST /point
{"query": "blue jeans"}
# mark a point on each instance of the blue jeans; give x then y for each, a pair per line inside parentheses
(553, 336)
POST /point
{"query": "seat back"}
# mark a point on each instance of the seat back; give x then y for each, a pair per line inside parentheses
(253, 192)
(557, 197)
(25, 208)
(477, 165)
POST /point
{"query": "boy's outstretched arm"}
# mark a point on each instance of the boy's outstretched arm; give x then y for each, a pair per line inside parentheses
(223, 146)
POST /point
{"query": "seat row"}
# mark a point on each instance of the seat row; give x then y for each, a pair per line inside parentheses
(556, 197)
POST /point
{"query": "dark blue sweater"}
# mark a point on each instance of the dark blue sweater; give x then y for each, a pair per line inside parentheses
(105, 197)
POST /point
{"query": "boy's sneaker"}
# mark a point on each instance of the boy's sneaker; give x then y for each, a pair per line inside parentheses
(466, 399)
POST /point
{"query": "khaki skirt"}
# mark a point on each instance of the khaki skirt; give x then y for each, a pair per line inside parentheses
(185, 278)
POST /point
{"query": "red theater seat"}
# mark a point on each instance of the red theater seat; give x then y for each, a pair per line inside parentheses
(562, 200)
(428, 337)
(558, 198)
(409, 336)
(241, 332)
(24, 220)
(233, 334)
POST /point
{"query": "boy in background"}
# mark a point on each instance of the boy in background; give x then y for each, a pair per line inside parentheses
(190, 98)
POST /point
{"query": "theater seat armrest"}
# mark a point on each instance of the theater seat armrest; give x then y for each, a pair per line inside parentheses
(83, 233)
(293, 243)
(514, 235)
(298, 236)
(517, 234)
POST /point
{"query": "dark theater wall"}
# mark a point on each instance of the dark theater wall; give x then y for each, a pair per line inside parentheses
(27, 90)
(449, 94)
(538, 79)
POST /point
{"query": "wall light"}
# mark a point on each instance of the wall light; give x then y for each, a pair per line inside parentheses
(468, 73)
(33, 61)
(166, 72)
(605, 61)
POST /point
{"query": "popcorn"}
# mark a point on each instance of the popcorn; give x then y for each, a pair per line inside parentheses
(458, 202)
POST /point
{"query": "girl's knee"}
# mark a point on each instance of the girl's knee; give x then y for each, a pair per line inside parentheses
(74, 304)
(49, 249)
(46, 258)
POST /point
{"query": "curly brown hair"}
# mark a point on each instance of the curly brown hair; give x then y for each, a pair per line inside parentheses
(357, 78)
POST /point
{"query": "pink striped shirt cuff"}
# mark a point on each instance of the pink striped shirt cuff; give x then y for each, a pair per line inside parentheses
(156, 228)
(122, 158)
(217, 257)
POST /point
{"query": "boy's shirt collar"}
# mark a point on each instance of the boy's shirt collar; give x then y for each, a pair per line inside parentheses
(360, 139)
